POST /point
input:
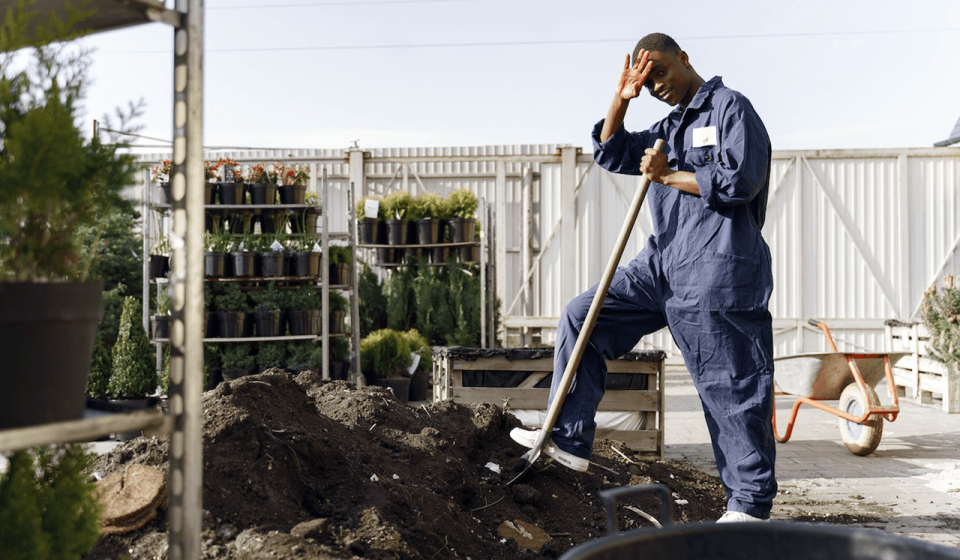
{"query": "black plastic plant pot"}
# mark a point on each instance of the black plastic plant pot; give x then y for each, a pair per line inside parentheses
(316, 321)
(390, 255)
(469, 253)
(208, 192)
(263, 193)
(271, 264)
(159, 266)
(339, 274)
(306, 263)
(461, 229)
(232, 193)
(338, 322)
(214, 264)
(292, 194)
(427, 230)
(161, 326)
(240, 223)
(211, 325)
(396, 232)
(300, 322)
(304, 221)
(367, 230)
(267, 323)
(267, 221)
(420, 385)
(399, 385)
(242, 263)
(230, 324)
(46, 340)
(439, 255)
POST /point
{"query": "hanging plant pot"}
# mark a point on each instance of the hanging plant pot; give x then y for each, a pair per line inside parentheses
(304, 221)
(461, 229)
(292, 194)
(242, 263)
(427, 230)
(396, 232)
(263, 193)
(230, 324)
(41, 385)
(439, 255)
(306, 263)
(209, 190)
(160, 326)
(266, 323)
(232, 193)
(271, 264)
(159, 266)
(214, 264)
(301, 322)
(161, 194)
(338, 322)
(234, 374)
(367, 230)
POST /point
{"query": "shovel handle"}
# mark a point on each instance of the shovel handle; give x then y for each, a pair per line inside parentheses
(591, 320)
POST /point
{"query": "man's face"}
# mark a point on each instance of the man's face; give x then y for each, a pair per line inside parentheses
(669, 80)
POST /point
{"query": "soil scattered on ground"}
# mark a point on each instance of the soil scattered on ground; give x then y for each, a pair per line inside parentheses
(298, 467)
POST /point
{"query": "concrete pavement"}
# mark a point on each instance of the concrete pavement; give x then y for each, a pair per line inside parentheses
(910, 486)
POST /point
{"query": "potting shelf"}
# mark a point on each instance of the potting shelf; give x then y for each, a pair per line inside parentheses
(257, 338)
(421, 245)
(251, 279)
(151, 422)
(157, 206)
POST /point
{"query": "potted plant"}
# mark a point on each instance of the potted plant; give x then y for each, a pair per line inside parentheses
(134, 373)
(159, 256)
(266, 311)
(306, 259)
(272, 257)
(305, 221)
(427, 209)
(461, 204)
(54, 182)
(232, 306)
(160, 176)
(340, 258)
(294, 187)
(236, 361)
(420, 380)
(368, 227)
(100, 369)
(339, 306)
(302, 307)
(242, 256)
(339, 358)
(214, 259)
(210, 322)
(385, 356)
(161, 321)
(396, 207)
(263, 184)
(232, 189)
(271, 355)
(211, 180)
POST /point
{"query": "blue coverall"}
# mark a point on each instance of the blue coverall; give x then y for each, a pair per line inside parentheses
(705, 273)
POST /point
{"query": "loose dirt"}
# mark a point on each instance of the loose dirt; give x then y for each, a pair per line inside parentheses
(296, 467)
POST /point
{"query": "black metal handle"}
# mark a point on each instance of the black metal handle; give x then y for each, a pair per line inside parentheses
(814, 322)
(609, 500)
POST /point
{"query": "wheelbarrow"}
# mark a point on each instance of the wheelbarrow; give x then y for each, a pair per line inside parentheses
(847, 377)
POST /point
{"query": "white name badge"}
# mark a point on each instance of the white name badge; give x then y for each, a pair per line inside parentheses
(706, 136)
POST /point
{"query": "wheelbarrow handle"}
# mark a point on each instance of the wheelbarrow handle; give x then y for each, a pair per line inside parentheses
(814, 323)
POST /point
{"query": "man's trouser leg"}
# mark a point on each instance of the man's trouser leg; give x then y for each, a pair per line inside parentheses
(730, 357)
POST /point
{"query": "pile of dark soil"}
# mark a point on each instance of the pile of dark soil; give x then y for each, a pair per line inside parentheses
(295, 467)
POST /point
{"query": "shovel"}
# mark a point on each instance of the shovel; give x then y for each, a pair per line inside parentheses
(591, 320)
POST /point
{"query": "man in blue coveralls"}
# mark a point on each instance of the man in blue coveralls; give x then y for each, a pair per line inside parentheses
(705, 272)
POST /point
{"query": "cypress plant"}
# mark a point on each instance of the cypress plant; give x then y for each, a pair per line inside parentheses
(134, 370)
(21, 523)
(100, 369)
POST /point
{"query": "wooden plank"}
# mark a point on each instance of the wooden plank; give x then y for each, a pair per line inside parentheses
(637, 440)
(531, 381)
(82, 430)
(536, 399)
(501, 363)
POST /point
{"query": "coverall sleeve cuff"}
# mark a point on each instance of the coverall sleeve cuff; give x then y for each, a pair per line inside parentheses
(704, 177)
(613, 143)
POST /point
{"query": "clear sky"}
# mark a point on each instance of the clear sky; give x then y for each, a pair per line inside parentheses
(407, 73)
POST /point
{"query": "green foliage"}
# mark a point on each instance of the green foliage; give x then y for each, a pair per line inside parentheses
(53, 179)
(463, 300)
(232, 299)
(268, 299)
(298, 354)
(109, 326)
(162, 302)
(434, 317)
(339, 349)
(217, 242)
(418, 345)
(396, 205)
(427, 205)
(373, 302)
(315, 357)
(386, 353)
(237, 356)
(118, 260)
(340, 254)
(48, 508)
(361, 214)
(400, 299)
(941, 315)
(303, 297)
(165, 368)
(271, 355)
(134, 371)
(338, 302)
(101, 366)
(461, 203)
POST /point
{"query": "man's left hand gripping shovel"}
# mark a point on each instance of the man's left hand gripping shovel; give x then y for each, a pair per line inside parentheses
(588, 324)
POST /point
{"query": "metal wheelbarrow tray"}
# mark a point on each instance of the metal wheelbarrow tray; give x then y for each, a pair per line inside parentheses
(847, 377)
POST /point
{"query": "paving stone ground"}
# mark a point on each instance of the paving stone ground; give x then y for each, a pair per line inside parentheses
(911, 482)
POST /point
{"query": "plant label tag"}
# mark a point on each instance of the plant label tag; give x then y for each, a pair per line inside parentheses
(316, 247)
(371, 208)
(240, 248)
(276, 246)
(705, 136)
(416, 362)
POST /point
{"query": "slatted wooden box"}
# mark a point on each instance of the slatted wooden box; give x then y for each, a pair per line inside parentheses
(929, 381)
(518, 379)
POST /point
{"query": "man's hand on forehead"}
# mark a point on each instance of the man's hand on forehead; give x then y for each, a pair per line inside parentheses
(633, 76)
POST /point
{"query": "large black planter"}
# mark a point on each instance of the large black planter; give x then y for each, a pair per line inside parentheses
(306, 264)
(292, 194)
(263, 193)
(461, 229)
(46, 340)
(232, 193)
(214, 264)
(301, 322)
(159, 266)
(161, 326)
(428, 230)
(271, 264)
(397, 232)
(230, 324)
(368, 230)
(267, 323)
(243, 263)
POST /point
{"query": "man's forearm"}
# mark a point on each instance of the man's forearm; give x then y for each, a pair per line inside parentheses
(681, 180)
(615, 115)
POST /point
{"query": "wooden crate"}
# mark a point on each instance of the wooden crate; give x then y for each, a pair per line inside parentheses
(449, 365)
(926, 378)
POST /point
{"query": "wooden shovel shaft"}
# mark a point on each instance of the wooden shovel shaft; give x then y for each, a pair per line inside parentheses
(591, 320)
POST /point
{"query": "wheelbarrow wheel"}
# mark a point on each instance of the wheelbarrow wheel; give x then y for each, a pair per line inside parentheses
(860, 439)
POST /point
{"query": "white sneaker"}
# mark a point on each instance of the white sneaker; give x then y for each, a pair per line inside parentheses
(527, 438)
(739, 517)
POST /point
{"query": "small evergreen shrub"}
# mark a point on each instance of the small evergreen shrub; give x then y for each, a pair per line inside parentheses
(101, 367)
(386, 353)
(271, 355)
(134, 371)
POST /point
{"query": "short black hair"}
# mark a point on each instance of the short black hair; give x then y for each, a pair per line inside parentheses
(656, 42)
